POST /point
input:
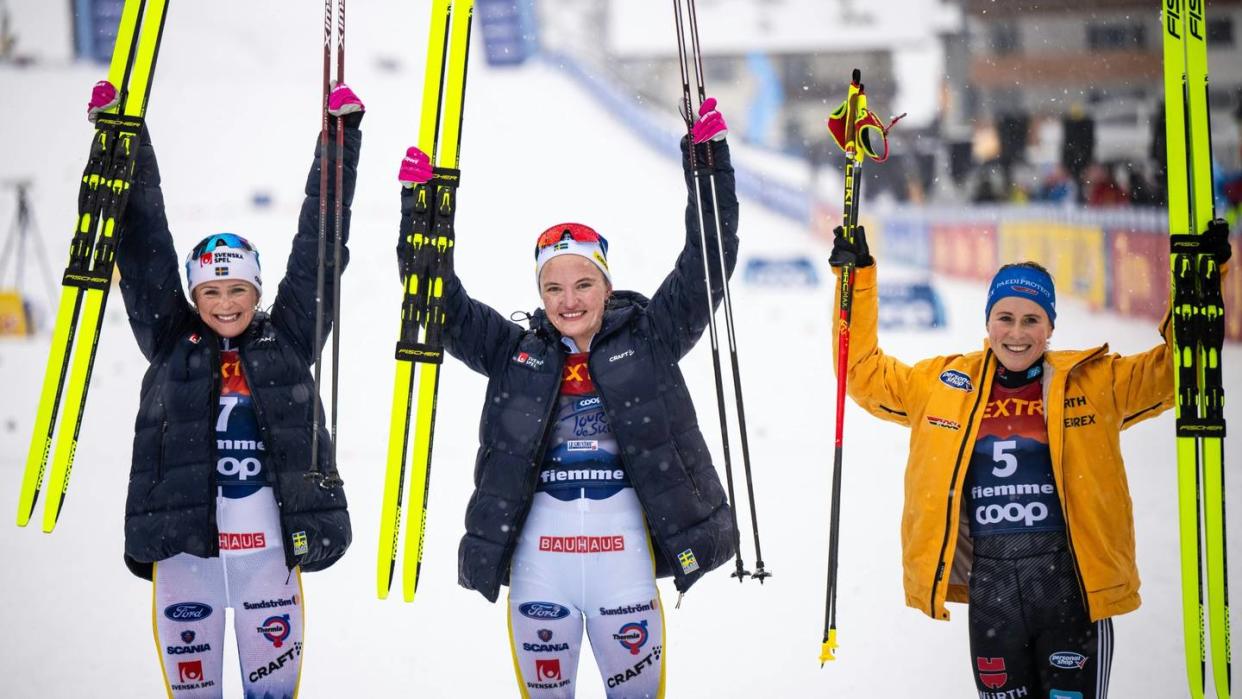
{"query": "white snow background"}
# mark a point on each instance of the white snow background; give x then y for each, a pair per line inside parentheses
(234, 111)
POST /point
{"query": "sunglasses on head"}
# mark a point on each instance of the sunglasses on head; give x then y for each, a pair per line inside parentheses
(569, 231)
(222, 240)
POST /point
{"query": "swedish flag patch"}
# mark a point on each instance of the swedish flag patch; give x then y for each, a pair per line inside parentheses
(300, 547)
(687, 561)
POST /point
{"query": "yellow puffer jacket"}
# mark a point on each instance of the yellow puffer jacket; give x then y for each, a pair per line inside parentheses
(1090, 397)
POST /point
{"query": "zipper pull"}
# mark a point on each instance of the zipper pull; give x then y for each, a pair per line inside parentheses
(679, 596)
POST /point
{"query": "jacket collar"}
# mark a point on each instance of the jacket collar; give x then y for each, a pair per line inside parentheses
(1060, 361)
(257, 328)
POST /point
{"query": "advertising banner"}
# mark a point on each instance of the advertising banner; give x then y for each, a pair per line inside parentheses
(1075, 255)
(964, 249)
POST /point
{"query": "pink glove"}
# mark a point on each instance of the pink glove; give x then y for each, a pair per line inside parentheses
(342, 101)
(415, 167)
(711, 125)
(103, 97)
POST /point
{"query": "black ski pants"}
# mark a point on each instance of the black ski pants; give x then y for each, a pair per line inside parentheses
(1030, 634)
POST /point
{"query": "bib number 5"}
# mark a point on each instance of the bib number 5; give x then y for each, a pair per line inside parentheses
(1000, 455)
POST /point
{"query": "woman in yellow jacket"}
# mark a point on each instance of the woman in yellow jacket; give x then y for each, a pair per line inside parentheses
(1016, 498)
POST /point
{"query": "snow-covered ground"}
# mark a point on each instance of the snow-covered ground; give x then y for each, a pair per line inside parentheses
(234, 112)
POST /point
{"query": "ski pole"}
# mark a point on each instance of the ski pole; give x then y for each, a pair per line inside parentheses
(339, 203)
(323, 235)
(321, 271)
(849, 211)
(850, 126)
(760, 572)
(739, 572)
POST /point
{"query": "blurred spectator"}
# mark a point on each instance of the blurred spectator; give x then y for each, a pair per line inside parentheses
(989, 187)
(1024, 185)
(1058, 187)
(1233, 199)
(1102, 188)
(1142, 191)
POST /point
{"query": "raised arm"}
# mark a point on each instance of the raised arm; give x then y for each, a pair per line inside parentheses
(473, 331)
(1143, 383)
(150, 273)
(679, 308)
(294, 309)
(880, 384)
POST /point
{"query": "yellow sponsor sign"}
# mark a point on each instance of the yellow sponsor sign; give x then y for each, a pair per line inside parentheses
(1074, 255)
(13, 319)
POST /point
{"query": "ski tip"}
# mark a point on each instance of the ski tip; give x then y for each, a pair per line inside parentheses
(828, 650)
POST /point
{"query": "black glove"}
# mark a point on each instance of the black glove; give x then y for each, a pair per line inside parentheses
(846, 253)
(1216, 241)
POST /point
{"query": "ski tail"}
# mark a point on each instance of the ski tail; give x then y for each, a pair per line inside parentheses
(394, 478)
(420, 480)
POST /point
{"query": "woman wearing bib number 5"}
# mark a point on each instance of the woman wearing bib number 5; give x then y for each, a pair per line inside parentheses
(1016, 498)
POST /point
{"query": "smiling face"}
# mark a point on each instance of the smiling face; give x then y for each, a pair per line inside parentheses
(226, 306)
(1018, 332)
(574, 294)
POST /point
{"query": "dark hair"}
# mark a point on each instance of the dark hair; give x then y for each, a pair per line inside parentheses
(1029, 264)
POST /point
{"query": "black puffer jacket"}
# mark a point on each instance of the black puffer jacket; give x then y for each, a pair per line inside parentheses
(633, 364)
(171, 507)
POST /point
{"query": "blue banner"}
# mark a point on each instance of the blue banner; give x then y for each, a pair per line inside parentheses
(508, 30)
(94, 28)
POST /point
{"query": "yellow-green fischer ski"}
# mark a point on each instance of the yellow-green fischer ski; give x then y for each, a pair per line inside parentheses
(447, 178)
(1198, 325)
(427, 256)
(88, 277)
(403, 386)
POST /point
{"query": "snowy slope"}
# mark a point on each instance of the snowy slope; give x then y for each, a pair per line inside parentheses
(234, 110)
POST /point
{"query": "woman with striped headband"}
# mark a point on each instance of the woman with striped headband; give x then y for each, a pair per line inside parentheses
(592, 477)
(221, 511)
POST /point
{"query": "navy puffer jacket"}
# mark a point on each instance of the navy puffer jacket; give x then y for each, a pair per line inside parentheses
(633, 364)
(171, 506)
